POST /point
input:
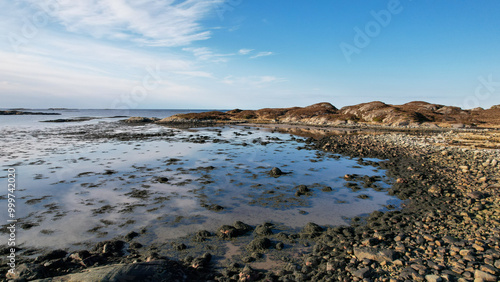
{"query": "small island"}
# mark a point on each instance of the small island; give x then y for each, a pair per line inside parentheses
(22, 112)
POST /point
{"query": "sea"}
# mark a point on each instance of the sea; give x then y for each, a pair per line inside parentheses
(78, 183)
(101, 115)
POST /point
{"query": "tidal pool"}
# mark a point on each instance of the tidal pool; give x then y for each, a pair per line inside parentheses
(78, 185)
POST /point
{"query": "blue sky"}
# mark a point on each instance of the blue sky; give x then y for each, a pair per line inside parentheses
(247, 54)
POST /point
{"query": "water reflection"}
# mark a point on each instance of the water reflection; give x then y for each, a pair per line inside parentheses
(87, 190)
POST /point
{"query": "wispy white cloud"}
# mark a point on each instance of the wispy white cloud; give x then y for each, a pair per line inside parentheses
(202, 74)
(148, 22)
(206, 54)
(262, 54)
(255, 81)
(70, 61)
(244, 51)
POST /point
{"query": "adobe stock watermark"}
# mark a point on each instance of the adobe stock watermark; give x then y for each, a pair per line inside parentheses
(226, 6)
(484, 90)
(32, 25)
(139, 93)
(126, 101)
(363, 37)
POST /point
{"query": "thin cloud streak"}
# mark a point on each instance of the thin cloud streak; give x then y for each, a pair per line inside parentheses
(262, 54)
(148, 22)
(244, 51)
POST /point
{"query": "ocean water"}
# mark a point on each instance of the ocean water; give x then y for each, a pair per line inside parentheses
(102, 115)
(84, 182)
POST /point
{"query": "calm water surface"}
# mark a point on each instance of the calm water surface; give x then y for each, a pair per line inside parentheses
(74, 190)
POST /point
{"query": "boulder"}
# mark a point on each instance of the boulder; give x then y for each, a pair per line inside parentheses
(259, 245)
(379, 255)
(275, 172)
(144, 271)
(27, 271)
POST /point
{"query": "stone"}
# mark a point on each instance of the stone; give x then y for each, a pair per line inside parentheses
(275, 172)
(312, 228)
(302, 190)
(259, 245)
(162, 179)
(478, 274)
(110, 247)
(449, 239)
(327, 189)
(139, 120)
(478, 247)
(429, 237)
(433, 278)
(242, 228)
(227, 232)
(131, 235)
(435, 190)
(465, 252)
(201, 262)
(418, 267)
(180, 247)
(362, 273)
(263, 230)
(370, 242)
(55, 254)
(280, 246)
(378, 255)
(475, 195)
(79, 256)
(27, 271)
(488, 268)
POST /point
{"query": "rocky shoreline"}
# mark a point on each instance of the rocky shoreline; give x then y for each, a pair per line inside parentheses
(447, 230)
(416, 114)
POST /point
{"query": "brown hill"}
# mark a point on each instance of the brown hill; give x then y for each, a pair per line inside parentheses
(416, 113)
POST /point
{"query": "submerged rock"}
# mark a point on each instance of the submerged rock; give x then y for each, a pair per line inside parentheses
(302, 190)
(202, 235)
(242, 228)
(275, 172)
(162, 179)
(263, 230)
(131, 235)
(227, 232)
(259, 245)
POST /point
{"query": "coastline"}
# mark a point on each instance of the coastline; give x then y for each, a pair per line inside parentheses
(446, 228)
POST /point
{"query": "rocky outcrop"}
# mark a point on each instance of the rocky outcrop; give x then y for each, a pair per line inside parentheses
(416, 113)
(144, 271)
(141, 120)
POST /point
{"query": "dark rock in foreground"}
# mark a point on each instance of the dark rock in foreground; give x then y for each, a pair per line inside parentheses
(144, 271)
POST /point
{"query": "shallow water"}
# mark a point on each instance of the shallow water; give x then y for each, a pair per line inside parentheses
(99, 115)
(75, 190)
